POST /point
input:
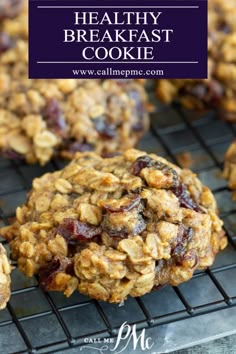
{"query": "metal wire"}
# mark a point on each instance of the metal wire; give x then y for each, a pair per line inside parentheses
(164, 138)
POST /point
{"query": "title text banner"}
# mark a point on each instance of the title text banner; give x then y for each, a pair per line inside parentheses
(118, 39)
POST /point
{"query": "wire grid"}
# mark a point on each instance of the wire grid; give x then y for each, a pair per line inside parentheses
(38, 322)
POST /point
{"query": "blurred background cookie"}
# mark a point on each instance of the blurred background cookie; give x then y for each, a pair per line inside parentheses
(43, 118)
(219, 90)
(5, 270)
(10, 8)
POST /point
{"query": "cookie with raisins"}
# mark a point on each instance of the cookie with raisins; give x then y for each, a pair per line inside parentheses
(116, 226)
(219, 90)
(43, 118)
(229, 172)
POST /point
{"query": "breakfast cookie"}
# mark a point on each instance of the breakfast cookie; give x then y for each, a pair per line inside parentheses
(230, 168)
(113, 227)
(43, 118)
(219, 90)
(5, 270)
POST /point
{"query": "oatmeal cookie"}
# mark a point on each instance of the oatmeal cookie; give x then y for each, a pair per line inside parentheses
(5, 281)
(41, 118)
(113, 227)
(219, 90)
(10, 8)
(230, 168)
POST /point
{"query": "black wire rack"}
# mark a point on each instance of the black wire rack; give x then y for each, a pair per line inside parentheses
(64, 323)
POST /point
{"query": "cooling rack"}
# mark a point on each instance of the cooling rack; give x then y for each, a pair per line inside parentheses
(38, 322)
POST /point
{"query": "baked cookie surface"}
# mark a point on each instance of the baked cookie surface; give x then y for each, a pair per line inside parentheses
(219, 90)
(230, 168)
(5, 270)
(113, 227)
(43, 118)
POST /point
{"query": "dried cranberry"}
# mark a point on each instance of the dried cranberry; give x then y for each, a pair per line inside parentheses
(146, 161)
(184, 236)
(74, 230)
(48, 272)
(126, 203)
(74, 146)
(140, 163)
(70, 268)
(134, 223)
(54, 117)
(158, 287)
(191, 257)
(184, 197)
(122, 231)
(209, 93)
(12, 155)
(106, 130)
(215, 92)
(5, 42)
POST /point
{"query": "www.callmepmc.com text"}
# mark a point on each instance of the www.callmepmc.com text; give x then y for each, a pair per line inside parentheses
(115, 72)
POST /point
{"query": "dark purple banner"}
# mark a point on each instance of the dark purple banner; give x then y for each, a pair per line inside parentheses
(118, 39)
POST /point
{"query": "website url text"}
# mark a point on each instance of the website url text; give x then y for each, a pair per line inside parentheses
(108, 72)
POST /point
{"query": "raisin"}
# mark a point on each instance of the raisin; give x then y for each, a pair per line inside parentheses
(104, 129)
(54, 117)
(74, 230)
(184, 197)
